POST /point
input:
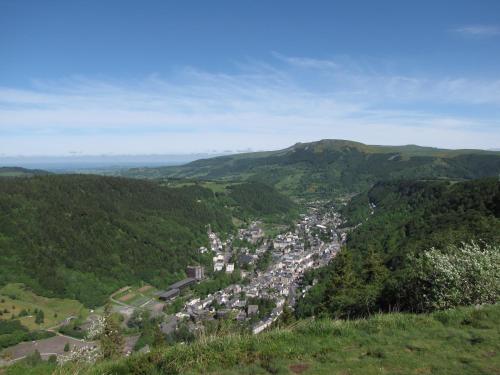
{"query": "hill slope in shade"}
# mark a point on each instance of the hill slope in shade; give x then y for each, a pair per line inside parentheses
(331, 167)
(83, 236)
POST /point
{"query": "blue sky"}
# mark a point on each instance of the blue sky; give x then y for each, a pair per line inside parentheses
(141, 77)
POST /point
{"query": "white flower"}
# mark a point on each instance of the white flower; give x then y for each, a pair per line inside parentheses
(84, 354)
(96, 328)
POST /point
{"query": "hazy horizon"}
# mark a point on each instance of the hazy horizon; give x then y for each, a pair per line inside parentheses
(82, 162)
(201, 154)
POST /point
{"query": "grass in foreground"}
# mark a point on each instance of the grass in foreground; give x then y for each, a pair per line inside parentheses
(461, 341)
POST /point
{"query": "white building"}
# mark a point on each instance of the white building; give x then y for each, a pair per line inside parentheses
(218, 266)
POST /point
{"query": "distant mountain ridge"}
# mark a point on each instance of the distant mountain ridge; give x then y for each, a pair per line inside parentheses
(333, 166)
(21, 172)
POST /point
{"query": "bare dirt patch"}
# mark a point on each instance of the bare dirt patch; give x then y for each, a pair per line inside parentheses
(127, 297)
(145, 288)
(299, 368)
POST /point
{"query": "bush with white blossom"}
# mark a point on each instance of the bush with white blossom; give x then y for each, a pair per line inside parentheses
(83, 354)
(467, 274)
(96, 328)
(89, 353)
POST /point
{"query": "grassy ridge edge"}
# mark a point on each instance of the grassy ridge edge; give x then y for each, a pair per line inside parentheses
(463, 340)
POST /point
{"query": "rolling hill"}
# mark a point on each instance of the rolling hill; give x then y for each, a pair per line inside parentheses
(84, 236)
(333, 167)
(21, 172)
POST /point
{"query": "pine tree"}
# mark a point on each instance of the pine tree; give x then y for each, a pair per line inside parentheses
(374, 270)
(111, 340)
(374, 273)
(287, 317)
(158, 338)
(39, 317)
(343, 301)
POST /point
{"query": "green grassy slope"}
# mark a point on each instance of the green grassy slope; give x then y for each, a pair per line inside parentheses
(336, 166)
(82, 236)
(16, 298)
(460, 341)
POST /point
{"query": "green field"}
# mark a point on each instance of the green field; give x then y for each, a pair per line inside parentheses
(136, 295)
(215, 186)
(16, 297)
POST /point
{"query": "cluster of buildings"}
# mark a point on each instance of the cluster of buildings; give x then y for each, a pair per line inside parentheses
(194, 273)
(285, 241)
(214, 241)
(313, 243)
(224, 253)
(253, 233)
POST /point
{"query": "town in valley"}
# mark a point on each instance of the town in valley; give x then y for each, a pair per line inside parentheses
(267, 272)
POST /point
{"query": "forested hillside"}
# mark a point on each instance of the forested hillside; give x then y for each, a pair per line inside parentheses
(257, 199)
(389, 263)
(83, 237)
(333, 167)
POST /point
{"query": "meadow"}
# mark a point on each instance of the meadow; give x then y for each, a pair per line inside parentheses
(15, 298)
(462, 341)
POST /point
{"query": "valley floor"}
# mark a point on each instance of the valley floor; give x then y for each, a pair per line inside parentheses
(461, 341)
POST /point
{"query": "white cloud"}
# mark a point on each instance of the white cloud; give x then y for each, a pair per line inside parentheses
(478, 30)
(263, 106)
(306, 62)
